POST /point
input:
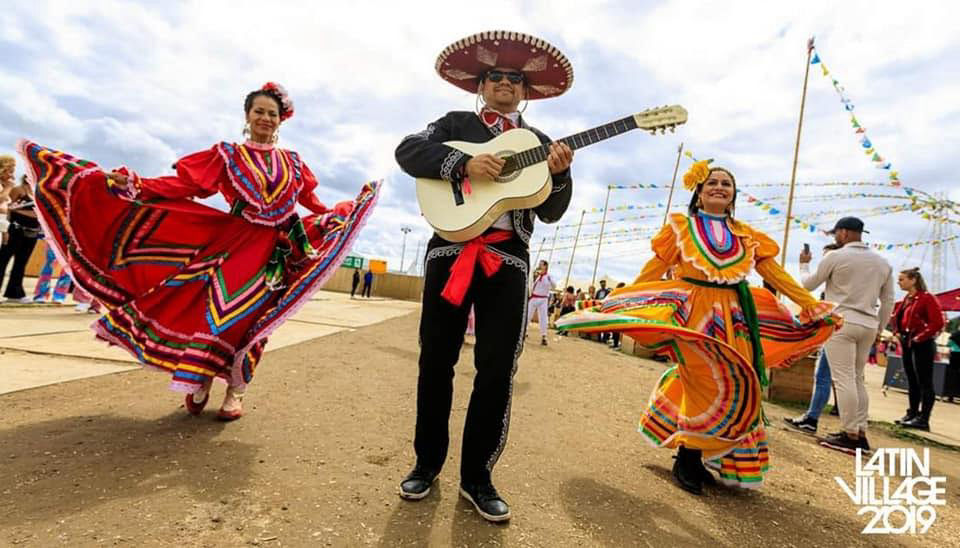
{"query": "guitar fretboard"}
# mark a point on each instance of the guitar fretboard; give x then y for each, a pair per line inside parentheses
(539, 154)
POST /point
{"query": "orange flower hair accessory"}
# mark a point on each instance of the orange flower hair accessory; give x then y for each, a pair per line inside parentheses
(697, 174)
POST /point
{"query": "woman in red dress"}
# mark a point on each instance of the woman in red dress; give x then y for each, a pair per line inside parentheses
(191, 290)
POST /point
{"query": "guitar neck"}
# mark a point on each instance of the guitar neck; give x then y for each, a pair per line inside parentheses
(539, 154)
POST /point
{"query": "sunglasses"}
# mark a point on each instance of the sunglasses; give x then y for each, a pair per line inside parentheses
(497, 75)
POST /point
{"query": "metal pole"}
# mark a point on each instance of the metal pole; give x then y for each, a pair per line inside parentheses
(574, 252)
(603, 221)
(553, 245)
(422, 258)
(403, 248)
(796, 154)
(416, 258)
(676, 168)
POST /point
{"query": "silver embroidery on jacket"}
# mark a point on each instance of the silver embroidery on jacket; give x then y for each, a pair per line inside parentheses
(523, 266)
(449, 162)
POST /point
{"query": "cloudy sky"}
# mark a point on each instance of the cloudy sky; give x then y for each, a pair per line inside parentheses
(142, 83)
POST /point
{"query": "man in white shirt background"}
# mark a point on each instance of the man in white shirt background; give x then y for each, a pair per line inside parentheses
(543, 284)
(860, 282)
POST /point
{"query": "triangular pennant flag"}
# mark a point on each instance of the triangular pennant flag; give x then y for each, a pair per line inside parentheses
(848, 107)
(860, 130)
(774, 211)
(824, 67)
(866, 143)
(894, 174)
(816, 59)
(877, 158)
(688, 154)
(853, 120)
(835, 83)
(868, 152)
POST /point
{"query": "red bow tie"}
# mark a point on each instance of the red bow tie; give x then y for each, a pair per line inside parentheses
(493, 118)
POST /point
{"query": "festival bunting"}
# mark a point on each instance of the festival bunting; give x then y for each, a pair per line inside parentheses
(645, 186)
(887, 247)
(878, 160)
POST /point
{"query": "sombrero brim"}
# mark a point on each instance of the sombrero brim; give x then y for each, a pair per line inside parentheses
(548, 71)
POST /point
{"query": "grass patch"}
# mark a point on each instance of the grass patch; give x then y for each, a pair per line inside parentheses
(909, 435)
(892, 429)
(798, 405)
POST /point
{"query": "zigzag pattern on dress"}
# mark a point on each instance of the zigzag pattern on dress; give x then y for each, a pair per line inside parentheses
(338, 235)
(52, 172)
(224, 308)
(144, 261)
(192, 359)
(133, 245)
(271, 190)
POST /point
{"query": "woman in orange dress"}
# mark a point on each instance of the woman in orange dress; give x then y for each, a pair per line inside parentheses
(720, 332)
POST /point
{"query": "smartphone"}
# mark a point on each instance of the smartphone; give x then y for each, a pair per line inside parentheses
(806, 248)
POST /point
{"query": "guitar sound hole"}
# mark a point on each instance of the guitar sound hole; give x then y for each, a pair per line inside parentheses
(508, 176)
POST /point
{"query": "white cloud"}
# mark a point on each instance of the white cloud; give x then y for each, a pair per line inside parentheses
(142, 83)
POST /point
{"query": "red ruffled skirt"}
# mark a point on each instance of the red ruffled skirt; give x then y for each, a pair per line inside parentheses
(189, 290)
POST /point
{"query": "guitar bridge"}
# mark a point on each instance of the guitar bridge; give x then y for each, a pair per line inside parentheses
(457, 192)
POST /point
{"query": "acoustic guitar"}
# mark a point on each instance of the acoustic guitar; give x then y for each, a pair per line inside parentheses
(524, 181)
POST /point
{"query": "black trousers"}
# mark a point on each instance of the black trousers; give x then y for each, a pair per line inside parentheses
(918, 366)
(951, 384)
(500, 308)
(353, 287)
(367, 287)
(19, 247)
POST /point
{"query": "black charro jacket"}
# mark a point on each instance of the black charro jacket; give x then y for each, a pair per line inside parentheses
(424, 155)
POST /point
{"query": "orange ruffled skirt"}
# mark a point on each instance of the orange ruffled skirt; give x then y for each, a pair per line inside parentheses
(710, 399)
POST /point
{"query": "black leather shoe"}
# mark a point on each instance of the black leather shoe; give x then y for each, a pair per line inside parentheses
(706, 477)
(909, 416)
(686, 472)
(487, 501)
(917, 423)
(417, 483)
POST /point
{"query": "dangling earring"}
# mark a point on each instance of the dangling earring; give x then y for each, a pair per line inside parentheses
(699, 203)
(246, 130)
(276, 136)
(479, 102)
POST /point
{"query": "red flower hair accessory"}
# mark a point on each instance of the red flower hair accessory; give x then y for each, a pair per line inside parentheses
(286, 105)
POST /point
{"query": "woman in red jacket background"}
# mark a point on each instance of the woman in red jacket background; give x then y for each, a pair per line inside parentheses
(917, 320)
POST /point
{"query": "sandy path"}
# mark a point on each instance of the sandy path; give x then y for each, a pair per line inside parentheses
(113, 460)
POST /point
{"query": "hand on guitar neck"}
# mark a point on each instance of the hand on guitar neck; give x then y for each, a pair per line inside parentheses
(489, 166)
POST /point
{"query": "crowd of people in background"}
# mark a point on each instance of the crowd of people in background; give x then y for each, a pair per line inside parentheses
(367, 278)
(21, 232)
(563, 301)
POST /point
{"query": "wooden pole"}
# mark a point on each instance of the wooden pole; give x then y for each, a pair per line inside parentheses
(553, 245)
(796, 155)
(603, 221)
(566, 282)
(676, 168)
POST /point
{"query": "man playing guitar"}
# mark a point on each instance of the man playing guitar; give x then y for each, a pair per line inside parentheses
(491, 271)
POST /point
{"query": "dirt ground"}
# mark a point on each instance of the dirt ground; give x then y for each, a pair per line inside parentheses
(115, 460)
